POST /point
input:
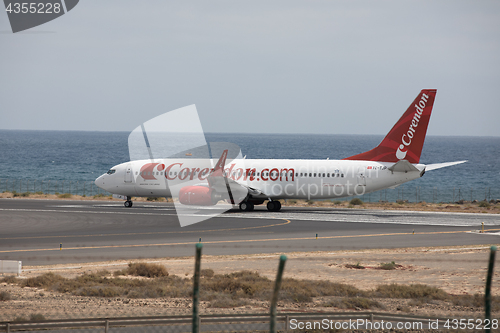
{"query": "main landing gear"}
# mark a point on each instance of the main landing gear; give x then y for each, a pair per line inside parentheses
(274, 206)
(247, 206)
(128, 203)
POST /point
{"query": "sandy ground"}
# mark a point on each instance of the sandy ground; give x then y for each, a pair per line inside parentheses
(457, 270)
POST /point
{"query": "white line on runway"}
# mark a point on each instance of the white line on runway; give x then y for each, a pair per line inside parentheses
(409, 218)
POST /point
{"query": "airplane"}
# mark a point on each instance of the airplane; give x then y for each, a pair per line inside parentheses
(248, 182)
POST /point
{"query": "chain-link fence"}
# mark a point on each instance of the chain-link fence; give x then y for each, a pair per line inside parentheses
(74, 187)
(401, 193)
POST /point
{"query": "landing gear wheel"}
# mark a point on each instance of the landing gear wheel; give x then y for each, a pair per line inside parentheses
(273, 206)
(246, 206)
(128, 203)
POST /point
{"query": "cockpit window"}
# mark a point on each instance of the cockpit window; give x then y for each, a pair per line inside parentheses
(111, 171)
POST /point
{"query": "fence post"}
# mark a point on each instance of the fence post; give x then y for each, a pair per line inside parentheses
(487, 293)
(196, 289)
(277, 286)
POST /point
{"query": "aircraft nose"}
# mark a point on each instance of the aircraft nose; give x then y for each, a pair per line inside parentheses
(101, 182)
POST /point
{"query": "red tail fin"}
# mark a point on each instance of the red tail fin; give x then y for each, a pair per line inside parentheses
(406, 139)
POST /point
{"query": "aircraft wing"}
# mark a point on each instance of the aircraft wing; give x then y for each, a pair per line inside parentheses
(435, 166)
(219, 181)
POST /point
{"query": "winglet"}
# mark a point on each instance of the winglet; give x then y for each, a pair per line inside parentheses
(406, 139)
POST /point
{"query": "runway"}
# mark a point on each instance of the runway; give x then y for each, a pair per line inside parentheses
(33, 231)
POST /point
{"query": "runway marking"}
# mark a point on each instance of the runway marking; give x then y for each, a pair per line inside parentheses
(154, 233)
(243, 241)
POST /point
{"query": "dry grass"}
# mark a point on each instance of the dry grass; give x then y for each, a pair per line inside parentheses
(4, 296)
(388, 266)
(9, 279)
(356, 266)
(356, 202)
(237, 289)
(476, 301)
(354, 303)
(413, 291)
(147, 270)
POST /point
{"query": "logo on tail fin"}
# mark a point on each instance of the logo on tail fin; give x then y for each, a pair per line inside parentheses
(399, 153)
(406, 138)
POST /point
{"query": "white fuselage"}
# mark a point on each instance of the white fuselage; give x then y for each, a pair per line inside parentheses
(266, 179)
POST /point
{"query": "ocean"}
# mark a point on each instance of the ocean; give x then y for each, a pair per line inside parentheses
(69, 161)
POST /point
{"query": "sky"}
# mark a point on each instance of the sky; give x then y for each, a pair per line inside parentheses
(326, 67)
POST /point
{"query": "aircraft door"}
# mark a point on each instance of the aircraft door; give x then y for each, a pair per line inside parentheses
(361, 176)
(128, 173)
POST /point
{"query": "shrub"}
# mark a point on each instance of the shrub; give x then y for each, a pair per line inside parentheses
(356, 201)
(9, 279)
(155, 199)
(24, 194)
(484, 204)
(357, 266)
(43, 281)
(4, 296)
(227, 302)
(388, 266)
(412, 291)
(98, 291)
(65, 196)
(147, 270)
(354, 303)
(37, 317)
(208, 273)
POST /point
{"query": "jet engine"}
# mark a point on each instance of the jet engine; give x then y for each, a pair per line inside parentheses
(198, 195)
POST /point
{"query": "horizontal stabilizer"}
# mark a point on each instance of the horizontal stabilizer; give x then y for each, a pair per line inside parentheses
(403, 166)
(430, 167)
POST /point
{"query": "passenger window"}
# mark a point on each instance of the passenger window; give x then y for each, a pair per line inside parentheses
(310, 174)
(323, 175)
(314, 175)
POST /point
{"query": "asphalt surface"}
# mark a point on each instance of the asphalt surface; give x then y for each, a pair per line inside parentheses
(33, 230)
